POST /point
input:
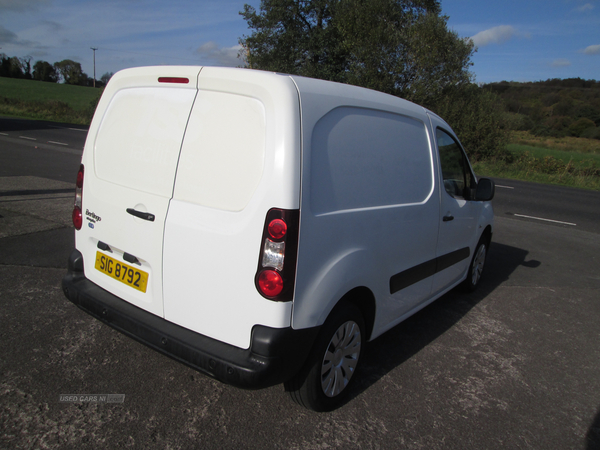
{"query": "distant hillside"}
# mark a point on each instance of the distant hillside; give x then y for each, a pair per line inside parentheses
(555, 107)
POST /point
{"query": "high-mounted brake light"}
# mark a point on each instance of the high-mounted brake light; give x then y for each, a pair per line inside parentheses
(77, 214)
(276, 274)
(178, 80)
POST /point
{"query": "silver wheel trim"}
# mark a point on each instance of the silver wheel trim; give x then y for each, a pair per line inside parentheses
(478, 263)
(341, 358)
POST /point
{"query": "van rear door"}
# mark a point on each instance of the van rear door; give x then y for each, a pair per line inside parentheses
(130, 161)
(240, 158)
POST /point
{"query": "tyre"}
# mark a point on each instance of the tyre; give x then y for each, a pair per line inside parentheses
(477, 265)
(323, 383)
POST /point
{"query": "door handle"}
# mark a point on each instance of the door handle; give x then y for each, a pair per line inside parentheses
(448, 218)
(141, 215)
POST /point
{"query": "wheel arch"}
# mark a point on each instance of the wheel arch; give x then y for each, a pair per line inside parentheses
(361, 297)
(487, 235)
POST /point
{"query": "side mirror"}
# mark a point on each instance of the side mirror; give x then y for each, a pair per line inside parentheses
(486, 189)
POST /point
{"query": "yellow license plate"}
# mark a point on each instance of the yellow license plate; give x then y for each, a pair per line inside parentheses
(137, 279)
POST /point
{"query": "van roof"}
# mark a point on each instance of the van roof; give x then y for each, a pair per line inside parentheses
(150, 75)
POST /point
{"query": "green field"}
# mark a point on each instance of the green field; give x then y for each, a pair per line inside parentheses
(77, 97)
(47, 101)
(577, 159)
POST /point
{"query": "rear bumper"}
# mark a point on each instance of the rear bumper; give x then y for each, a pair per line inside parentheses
(274, 356)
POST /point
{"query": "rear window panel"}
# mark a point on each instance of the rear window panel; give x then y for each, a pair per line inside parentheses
(139, 138)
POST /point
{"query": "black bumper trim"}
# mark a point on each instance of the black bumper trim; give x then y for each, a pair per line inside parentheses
(274, 356)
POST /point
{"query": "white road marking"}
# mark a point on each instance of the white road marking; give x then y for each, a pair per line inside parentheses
(546, 220)
(504, 187)
(4, 134)
(67, 128)
(28, 138)
(58, 143)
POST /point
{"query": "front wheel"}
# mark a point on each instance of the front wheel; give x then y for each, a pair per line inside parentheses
(323, 383)
(477, 265)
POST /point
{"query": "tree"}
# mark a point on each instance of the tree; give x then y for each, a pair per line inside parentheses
(12, 68)
(578, 127)
(401, 47)
(44, 71)
(4, 65)
(25, 63)
(294, 36)
(70, 71)
(477, 116)
(404, 48)
(106, 77)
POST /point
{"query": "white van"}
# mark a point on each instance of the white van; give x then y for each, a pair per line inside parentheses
(261, 228)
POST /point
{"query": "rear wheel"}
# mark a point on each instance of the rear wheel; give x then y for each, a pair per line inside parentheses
(324, 382)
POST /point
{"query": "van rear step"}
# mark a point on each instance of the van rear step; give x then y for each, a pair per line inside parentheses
(274, 356)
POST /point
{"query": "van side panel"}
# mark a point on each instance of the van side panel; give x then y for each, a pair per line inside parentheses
(364, 158)
(370, 206)
(240, 158)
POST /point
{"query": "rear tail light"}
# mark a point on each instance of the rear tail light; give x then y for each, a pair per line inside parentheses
(273, 254)
(270, 283)
(77, 214)
(276, 273)
(277, 229)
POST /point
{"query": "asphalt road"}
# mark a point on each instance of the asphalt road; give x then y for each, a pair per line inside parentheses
(42, 149)
(514, 365)
(575, 208)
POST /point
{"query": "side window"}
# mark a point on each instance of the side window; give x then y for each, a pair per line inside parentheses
(457, 175)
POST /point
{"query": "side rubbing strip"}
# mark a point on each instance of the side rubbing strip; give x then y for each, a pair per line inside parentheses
(418, 273)
(443, 262)
(411, 276)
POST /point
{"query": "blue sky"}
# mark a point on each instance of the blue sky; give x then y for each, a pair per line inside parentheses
(524, 40)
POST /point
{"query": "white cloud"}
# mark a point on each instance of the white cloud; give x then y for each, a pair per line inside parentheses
(585, 8)
(224, 56)
(496, 35)
(561, 63)
(591, 50)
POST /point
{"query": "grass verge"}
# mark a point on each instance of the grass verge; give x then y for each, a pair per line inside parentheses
(52, 110)
(565, 178)
(571, 162)
(566, 144)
